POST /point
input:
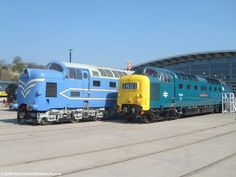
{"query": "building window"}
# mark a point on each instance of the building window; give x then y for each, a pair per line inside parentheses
(96, 83)
(51, 89)
(112, 84)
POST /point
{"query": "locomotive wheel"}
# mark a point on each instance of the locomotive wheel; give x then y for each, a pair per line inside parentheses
(96, 118)
(20, 117)
(73, 119)
(145, 119)
(152, 117)
(128, 119)
(45, 121)
(20, 121)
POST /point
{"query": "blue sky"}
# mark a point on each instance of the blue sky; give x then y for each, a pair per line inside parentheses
(110, 32)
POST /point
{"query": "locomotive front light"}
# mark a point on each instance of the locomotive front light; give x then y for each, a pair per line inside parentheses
(21, 115)
(125, 110)
(133, 110)
(138, 100)
(139, 95)
(129, 99)
(22, 107)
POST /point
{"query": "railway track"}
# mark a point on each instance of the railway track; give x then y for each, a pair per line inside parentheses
(197, 171)
(52, 129)
(150, 154)
(128, 146)
(72, 129)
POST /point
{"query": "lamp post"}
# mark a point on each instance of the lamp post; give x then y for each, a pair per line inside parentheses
(70, 50)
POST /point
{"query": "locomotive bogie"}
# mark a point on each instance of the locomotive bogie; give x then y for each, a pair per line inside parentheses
(60, 115)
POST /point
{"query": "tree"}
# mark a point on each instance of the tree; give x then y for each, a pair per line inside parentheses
(3, 67)
(17, 64)
(17, 60)
(34, 65)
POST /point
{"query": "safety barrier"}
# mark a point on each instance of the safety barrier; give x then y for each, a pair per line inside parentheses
(228, 103)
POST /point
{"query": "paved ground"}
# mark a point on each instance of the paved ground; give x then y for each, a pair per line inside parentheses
(203, 146)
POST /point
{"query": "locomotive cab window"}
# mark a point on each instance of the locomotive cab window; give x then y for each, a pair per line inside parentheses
(56, 67)
(151, 72)
(195, 87)
(51, 89)
(181, 86)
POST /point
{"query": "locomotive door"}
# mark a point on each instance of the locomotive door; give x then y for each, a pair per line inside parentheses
(86, 84)
(86, 92)
(168, 91)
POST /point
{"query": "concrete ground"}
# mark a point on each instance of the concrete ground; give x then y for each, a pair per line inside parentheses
(203, 146)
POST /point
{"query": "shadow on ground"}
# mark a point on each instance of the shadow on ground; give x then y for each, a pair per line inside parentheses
(9, 121)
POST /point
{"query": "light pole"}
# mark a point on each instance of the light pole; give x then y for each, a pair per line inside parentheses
(70, 50)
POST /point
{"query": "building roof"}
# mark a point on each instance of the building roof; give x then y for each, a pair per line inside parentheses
(187, 57)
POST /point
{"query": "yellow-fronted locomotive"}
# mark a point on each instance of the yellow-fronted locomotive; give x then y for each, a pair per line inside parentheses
(153, 93)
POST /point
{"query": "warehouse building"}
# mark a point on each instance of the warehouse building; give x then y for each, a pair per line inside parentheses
(216, 64)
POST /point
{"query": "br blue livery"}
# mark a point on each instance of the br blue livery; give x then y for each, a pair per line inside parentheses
(153, 93)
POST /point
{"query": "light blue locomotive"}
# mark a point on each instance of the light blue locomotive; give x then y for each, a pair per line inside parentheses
(66, 92)
(153, 93)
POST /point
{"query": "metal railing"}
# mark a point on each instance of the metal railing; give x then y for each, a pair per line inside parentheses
(228, 103)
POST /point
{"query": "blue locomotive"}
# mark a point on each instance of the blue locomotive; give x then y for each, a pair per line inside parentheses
(153, 93)
(66, 92)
